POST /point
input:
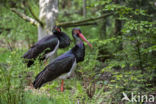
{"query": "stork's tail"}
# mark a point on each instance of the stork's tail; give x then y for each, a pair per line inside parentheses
(28, 57)
(39, 80)
(30, 62)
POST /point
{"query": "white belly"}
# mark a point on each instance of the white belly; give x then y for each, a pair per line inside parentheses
(52, 52)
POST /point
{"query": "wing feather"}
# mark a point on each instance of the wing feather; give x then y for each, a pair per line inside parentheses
(43, 46)
(55, 69)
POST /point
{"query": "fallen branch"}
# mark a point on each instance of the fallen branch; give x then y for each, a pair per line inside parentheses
(25, 17)
(66, 24)
(35, 21)
(82, 24)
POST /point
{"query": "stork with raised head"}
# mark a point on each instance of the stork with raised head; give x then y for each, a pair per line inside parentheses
(63, 66)
(47, 46)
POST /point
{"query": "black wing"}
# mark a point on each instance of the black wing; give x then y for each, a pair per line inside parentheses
(58, 67)
(44, 46)
(64, 40)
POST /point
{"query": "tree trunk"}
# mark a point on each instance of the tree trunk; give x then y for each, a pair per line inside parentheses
(103, 29)
(48, 15)
(118, 26)
(84, 8)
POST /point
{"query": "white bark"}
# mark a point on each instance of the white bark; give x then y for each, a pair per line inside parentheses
(48, 15)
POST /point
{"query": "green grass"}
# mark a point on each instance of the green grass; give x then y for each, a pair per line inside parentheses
(14, 88)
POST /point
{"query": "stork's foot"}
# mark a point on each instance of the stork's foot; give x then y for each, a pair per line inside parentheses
(45, 62)
(62, 83)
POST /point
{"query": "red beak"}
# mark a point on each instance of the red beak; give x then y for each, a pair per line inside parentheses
(83, 38)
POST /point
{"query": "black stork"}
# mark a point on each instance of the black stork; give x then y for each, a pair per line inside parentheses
(63, 66)
(47, 46)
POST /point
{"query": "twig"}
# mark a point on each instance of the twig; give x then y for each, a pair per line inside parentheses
(9, 45)
(25, 17)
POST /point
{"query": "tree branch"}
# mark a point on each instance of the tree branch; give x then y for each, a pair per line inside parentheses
(25, 17)
(82, 24)
(37, 22)
(32, 13)
(66, 24)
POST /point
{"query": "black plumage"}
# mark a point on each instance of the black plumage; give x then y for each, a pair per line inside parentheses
(64, 40)
(58, 67)
(62, 64)
(46, 45)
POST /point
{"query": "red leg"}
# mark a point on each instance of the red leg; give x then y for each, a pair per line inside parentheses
(62, 83)
(45, 61)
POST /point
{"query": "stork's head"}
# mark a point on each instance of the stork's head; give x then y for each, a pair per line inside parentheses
(56, 29)
(76, 33)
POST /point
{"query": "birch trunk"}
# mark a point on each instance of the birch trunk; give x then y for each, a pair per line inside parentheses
(48, 15)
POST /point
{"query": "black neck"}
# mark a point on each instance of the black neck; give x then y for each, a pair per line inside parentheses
(78, 50)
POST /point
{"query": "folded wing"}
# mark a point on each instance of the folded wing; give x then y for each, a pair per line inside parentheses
(43, 47)
(60, 66)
